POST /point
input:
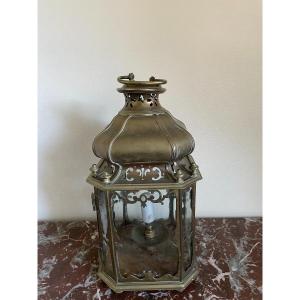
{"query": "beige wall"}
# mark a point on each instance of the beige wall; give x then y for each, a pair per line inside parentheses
(210, 53)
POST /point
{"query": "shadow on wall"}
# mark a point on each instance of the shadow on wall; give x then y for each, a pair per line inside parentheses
(64, 161)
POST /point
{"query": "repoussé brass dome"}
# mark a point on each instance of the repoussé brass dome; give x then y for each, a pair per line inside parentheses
(143, 131)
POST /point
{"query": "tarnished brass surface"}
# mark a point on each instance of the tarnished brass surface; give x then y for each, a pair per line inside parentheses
(148, 286)
(143, 131)
(178, 174)
(145, 160)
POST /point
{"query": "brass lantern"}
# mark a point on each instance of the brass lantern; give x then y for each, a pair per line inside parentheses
(144, 194)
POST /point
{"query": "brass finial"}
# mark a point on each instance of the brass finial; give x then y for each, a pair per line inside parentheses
(195, 169)
(105, 177)
(179, 176)
(94, 169)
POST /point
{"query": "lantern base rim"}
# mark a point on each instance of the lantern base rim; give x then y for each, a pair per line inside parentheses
(119, 287)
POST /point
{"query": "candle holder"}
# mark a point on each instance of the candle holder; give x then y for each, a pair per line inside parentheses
(144, 194)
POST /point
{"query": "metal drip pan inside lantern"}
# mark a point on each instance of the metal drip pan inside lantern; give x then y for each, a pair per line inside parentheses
(158, 254)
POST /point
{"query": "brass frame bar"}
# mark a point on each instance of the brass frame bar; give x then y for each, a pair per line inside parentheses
(99, 220)
(193, 223)
(111, 233)
(99, 225)
(125, 210)
(171, 208)
(179, 232)
(125, 214)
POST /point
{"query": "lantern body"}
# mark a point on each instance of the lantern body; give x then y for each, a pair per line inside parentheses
(144, 194)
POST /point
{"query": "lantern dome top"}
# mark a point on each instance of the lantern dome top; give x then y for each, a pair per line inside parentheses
(143, 131)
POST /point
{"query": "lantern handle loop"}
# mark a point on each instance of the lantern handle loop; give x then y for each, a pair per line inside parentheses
(129, 80)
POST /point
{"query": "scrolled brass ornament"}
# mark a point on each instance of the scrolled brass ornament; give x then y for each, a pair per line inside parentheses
(145, 193)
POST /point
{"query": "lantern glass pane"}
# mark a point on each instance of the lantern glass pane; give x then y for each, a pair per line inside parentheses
(145, 233)
(187, 218)
(104, 251)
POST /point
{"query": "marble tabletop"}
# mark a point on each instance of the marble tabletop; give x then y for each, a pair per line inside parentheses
(229, 255)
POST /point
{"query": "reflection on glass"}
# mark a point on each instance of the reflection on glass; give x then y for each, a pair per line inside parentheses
(138, 253)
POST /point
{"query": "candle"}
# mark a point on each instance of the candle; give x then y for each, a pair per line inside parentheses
(147, 212)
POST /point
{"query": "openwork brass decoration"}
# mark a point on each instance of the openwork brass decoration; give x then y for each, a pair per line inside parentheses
(151, 276)
(144, 194)
(131, 99)
(155, 196)
(142, 172)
